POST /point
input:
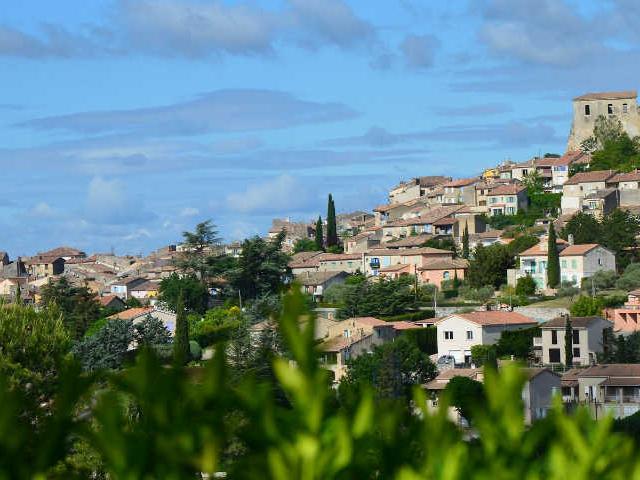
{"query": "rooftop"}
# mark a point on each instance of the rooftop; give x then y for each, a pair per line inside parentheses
(607, 95)
(588, 177)
(508, 189)
(131, 313)
(576, 322)
(578, 250)
(493, 318)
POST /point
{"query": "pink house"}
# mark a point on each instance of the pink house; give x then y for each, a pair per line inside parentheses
(626, 318)
(440, 270)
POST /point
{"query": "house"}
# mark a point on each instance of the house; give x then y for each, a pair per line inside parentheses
(316, 283)
(472, 218)
(461, 191)
(233, 249)
(587, 341)
(415, 188)
(122, 287)
(577, 262)
(67, 253)
(507, 200)
(350, 338)
(112, 302)
(327, 262)
(537, 393)
(458, 332)
(485, 238)
(628, 186)
(363, 241)
(554, 172)
(376, 259)
(626, 319)
(601, 202)
(576, 188)
(41, 266)
(293, 232)
(436, 271)
(606, 389)
(145, 291)
(138, 314)
(4, 259)
(13, 269)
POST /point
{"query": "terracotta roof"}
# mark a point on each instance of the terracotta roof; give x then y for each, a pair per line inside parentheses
(553, 161)
(511, 189)
(403, 325)
(538, 249)
(576, 322)
(445, 264)
(612, 369)
(494, 318)
(626, 177)
(622, 382)
(107, 299)
(570, 377)
(40, 259)
(317, 278)
(334, 257)
(433, 180)
(406, 251)
(588, 177)
(461, 182)
(608, 95)
(445, 221)
(146, 287)
(490, 234)
(131, 313)
(411, 241)
(63, 252)
(573, 250)
(336, 344)
(303, 256)
(369, 321)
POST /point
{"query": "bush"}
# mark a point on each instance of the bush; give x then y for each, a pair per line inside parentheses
(586, 306)
(601, 280)
(477, 294)
(426, 339)
(567, 289)
(410, 316)
(526, 286)
(630, 279)
(609, 301)
(483, 354)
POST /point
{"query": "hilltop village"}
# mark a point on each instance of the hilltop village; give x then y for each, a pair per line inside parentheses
(532, 262)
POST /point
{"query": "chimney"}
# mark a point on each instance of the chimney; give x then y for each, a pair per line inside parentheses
(570, 239)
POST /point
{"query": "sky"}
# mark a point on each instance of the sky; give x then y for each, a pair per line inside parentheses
(125, 122)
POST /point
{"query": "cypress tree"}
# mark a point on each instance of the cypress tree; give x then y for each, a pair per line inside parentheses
(332, 231)
(568, 342)
(553, 260)
(181, 336)
(465, 242)
(319, 234)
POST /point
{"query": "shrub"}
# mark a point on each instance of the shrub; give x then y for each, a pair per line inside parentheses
(526, 286)
(630, 279)
(483, 354)
(586, 306)
(477, 294)
(601, 280)
(194, 350)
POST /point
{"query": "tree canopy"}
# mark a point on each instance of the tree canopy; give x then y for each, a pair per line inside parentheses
(194, 294)
(489, 265)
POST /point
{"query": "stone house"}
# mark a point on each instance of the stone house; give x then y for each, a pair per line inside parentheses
(363, 241)
(123, 287)
(461, 191)
(587, 341)
(580, 185)
(41, 266)
(588, 107)
(458, 332)
(507, 200)
(316, 283)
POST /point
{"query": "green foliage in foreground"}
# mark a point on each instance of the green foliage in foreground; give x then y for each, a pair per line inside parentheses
(152, 421)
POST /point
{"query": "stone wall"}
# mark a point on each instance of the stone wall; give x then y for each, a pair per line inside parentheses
(541, 314)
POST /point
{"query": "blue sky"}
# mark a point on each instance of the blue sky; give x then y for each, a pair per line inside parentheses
(125, 122)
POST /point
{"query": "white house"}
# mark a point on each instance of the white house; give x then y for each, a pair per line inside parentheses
(458, 332)
(577, 262)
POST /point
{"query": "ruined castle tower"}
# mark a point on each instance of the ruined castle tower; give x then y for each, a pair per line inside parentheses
(588, 107)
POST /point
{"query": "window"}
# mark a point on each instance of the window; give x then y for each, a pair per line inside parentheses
(574, 264)
(469, 334)
(511, 210)
(446, 275)
(554, 337)
(576, 337)
(625, 108)
(554, 355)
(576, 353)
(525, 172)
(600, 261)
(448, 335)
(563, 264)
(610, 109)
(512, 200)
(587, 110)
(346, 333)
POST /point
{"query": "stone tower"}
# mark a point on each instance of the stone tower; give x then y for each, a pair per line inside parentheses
(588, 107)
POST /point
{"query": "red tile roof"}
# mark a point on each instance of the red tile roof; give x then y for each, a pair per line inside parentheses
(577, 250)
(494, 318)
(588, 177)
(607, 95)
(407, 251)
(461, 182)
(626, 177)
(511, 189)
(131, 313)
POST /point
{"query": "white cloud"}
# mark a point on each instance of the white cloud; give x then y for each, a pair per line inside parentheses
(189, 212)
(109, 202)
(42, 210)
(279, 193)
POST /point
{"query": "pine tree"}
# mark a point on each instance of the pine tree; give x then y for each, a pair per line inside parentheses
(465, 242)
(568, 342)
(553, 260)
(332, 231)
(181, 336)
(319, 234)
